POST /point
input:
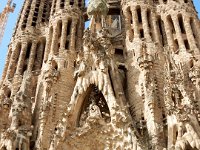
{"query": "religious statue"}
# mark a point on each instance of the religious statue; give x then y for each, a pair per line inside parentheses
(94, 111)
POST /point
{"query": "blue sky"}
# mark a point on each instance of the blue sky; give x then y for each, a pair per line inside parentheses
(12, 21)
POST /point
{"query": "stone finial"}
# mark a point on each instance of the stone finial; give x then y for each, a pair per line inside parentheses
(97, 8)
(145, 61)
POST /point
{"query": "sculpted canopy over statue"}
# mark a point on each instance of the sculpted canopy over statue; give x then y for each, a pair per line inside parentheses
(97, 8)
(97, 11)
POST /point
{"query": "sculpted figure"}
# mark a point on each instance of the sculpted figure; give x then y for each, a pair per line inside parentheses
(94, 111)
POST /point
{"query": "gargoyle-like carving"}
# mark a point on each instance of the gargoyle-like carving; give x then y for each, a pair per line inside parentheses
(145, 61)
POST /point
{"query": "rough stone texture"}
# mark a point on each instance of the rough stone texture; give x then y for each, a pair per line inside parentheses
(131, 81)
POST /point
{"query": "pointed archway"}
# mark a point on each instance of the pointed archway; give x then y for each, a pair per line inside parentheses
(94, 106)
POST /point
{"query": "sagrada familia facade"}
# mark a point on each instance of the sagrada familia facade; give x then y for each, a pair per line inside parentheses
(130, 81)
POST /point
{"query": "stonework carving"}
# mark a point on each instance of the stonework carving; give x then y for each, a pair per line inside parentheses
(130, 81)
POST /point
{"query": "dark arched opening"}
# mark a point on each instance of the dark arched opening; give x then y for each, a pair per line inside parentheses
(94, 98)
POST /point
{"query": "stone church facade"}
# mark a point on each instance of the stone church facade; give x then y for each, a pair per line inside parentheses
(131, 81)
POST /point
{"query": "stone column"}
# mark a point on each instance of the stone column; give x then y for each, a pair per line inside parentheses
(155, 28)
(31, 13)
(40, 12)
(178, 33)
(8, 58)
(168, 33)
(63, 35)
(58, 5)
(32, 56)
(135, 23)
(12, 64)
(128, 24)
(48, 45)
(197, 29)
(190, 36)
(54, 44)
(73, 35)
(26, 4)
(22, 56)
(145, 24)
(67, 3)
(52, 7)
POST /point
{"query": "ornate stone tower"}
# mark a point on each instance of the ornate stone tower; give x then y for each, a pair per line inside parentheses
(131, 81)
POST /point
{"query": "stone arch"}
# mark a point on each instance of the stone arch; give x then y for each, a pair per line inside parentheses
(78, 98)
(82, 102)
(93, 95)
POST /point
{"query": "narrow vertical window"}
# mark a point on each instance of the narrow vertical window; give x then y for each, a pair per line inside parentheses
(165, 1)
(139, 15)
(71, 2)
(69, 27)
(149, 23)
(130, 19)
(162, 31)
(141, 33)
(149, 18)
(187, 46)
(171, 24)
(28, 51)
(79, 3)
(176, 46)
(181, 24)
(62, 4)
(59, 28)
